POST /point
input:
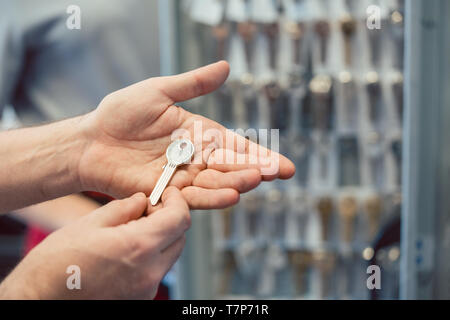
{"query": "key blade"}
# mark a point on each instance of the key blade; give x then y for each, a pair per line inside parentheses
(162, 183)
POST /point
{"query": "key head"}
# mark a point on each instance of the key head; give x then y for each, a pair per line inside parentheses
(300, 258)
(374, 205)
(397, 18)
(397, 82)
(348, 207)
(221, 32)
(296, 30)
(271, 30)
(346, 78)
(322, 28)
(325, 210)
(272, 90)
(348, 26)
(325, 261)
(321, 85)
(246, 30)
(374, 209)
(180, 151)
(373, 83)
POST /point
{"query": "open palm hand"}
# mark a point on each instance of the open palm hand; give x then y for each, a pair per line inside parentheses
(131, 129)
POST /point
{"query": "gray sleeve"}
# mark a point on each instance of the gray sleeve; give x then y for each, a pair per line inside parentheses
(11, 56)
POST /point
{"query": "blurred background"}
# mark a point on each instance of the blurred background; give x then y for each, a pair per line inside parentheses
(357, 89)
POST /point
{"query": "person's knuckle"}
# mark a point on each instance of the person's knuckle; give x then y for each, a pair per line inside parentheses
(154, 84)
(186, 220)
(150, 247)
(109, 99)
(168, 224)
(199, 85)
(133, 243)
(136, 244)
(241, 181)
(183, 221)
(177, 222)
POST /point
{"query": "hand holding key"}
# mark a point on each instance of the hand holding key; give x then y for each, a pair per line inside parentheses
(128, 135)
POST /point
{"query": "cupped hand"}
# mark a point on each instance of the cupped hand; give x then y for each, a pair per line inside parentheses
(116, 251)
(131, 129)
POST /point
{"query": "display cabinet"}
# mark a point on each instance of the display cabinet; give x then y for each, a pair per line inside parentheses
(356, 90)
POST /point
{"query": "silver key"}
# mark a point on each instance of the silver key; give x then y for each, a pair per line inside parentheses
(179, 152)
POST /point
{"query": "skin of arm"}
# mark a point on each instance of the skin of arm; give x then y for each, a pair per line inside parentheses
(54, 214)
(40, 163)
(119, 149)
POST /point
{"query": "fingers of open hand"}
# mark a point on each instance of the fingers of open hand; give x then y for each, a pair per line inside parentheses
(273, 164)
(204, 199)
(242, 181)
(248, 154)
(226, 160)
(212, 189)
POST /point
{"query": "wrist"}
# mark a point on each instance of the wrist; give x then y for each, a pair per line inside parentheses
(84, 163)
(82, 132)
(71, 141)
(41, 163)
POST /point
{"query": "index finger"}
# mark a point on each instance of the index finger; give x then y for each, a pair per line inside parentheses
(168, 222)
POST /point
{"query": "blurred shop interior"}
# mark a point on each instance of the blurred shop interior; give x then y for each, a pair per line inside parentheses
(359, 92)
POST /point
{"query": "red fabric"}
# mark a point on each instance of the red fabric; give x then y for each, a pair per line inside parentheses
(163, 293)
(33, 237)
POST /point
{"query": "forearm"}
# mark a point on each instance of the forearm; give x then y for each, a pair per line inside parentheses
(14, 288)
(35, 277)
(40, 163)
(57, 213)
